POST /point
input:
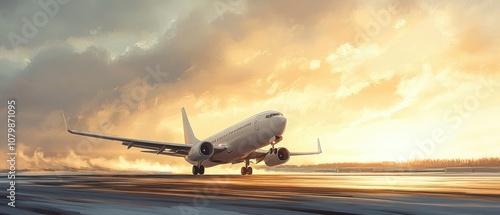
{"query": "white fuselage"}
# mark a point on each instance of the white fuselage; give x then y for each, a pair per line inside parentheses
(245, 137)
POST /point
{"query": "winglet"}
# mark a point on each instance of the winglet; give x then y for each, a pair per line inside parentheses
(66, 122)
(318, 151)
(319, 147)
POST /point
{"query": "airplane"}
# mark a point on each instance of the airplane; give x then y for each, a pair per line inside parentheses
(238, 143)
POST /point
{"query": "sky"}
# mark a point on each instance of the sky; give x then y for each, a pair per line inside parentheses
(374, 80)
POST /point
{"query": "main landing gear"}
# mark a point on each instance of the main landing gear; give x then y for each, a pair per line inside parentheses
(198, 170)
(246, 170)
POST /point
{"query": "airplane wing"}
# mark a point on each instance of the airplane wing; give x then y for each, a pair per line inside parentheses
(164, 148)
(259, 154)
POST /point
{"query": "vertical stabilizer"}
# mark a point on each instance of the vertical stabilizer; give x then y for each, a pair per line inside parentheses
(189, 137)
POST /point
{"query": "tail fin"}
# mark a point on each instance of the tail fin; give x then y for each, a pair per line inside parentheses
(189, 137)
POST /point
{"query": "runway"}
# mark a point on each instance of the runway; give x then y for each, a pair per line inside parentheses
(475, 193)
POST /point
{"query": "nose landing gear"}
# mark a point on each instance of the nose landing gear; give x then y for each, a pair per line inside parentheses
(273, 150)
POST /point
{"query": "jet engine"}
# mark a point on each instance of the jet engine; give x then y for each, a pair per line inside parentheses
(201, 151)
(277, 157)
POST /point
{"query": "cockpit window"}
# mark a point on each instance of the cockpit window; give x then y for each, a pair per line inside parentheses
(273, 114)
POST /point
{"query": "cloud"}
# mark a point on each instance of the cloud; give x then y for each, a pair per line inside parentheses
(126, 68)
(95, 18)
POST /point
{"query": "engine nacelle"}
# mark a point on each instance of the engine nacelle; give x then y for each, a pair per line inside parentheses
(282, 156)
(201, 151)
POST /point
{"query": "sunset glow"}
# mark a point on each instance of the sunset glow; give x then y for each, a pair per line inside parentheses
(374, 80)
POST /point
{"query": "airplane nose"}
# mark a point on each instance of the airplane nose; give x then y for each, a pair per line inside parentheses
(279, 123)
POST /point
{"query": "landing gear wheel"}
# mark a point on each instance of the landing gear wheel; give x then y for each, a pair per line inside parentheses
(246, 170)
(201, 170)
(275, 151)
(249, 171)
(243, 171)
(195, 170)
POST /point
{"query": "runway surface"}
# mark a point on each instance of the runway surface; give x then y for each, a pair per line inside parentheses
(257, 194)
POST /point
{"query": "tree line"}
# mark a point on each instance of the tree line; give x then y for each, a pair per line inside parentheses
(426, 163)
